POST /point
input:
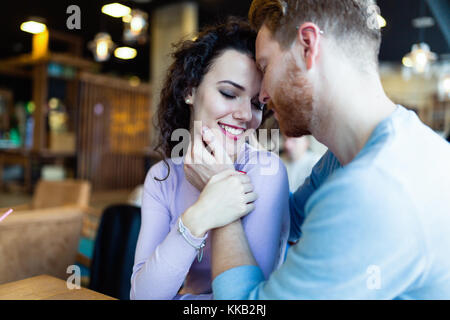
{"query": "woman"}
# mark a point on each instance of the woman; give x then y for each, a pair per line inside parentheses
(214, 80)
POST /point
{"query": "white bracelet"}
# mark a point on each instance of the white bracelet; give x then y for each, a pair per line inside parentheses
(182, 230)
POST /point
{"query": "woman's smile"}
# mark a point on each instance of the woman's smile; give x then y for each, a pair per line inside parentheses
(232, 132)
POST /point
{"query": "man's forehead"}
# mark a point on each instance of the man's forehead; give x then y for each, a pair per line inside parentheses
(265, 43)
(264, 35)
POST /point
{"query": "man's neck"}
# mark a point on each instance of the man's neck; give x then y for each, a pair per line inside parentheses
(348, 115)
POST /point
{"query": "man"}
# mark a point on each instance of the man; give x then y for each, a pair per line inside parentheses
(374, 216)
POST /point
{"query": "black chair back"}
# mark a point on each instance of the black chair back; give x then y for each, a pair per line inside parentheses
(115, 246)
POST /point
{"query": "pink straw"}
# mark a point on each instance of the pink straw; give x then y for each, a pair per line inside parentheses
(5, 215)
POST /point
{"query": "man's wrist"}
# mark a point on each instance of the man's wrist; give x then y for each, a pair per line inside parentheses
(229, 229)
(230, 248)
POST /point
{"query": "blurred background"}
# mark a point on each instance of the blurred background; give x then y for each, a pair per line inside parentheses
(79, 84)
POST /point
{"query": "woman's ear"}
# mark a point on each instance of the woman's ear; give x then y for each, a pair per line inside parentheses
(190, 98)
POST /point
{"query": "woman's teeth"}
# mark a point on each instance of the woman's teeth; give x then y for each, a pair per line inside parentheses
(233, 131)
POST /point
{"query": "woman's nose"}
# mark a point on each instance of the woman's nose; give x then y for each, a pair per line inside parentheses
(244, 111)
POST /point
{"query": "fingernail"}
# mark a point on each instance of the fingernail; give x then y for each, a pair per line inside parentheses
(241, 171)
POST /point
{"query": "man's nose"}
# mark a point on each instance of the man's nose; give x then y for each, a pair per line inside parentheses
(263, 95)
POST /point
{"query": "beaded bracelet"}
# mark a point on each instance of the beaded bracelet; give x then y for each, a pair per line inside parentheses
(182, 230)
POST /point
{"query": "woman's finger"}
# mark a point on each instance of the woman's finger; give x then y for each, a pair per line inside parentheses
(219, 152)
(200, 154)
(197, 143)
(249, 208)
(248, 187)
(250, 197)
(243, 178)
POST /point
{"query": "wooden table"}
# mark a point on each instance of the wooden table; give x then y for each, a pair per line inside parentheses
(45, 287)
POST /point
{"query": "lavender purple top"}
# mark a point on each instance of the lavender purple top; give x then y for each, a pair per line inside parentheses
(165, 261)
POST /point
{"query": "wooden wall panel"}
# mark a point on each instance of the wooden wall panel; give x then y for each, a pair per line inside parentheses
(114, 132)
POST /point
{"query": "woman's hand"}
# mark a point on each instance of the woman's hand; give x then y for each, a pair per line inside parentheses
(227, 197)
(200, 164)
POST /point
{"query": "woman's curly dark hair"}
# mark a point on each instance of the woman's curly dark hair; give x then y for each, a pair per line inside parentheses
(192, 60)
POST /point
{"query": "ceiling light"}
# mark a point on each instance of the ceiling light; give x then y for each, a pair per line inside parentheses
(125, 53)
(101, 46)
(407, 62)
(137, 23)
(134, 81)
(33, 26)
(423, 22)
(116, 10)
(419, 58)
(135, 26)
(127, 18)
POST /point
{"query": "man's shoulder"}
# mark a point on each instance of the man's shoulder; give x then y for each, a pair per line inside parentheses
(363, 207)
(361, 179)
(362, 192)
(405, 138)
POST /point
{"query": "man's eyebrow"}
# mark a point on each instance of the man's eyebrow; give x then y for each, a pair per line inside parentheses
(234, 84)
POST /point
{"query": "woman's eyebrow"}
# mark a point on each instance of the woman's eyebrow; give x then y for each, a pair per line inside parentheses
(234, 84)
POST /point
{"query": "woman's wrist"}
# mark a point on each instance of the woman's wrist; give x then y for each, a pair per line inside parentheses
(192, 219)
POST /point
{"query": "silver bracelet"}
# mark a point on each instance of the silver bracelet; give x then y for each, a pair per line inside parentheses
(182, 230)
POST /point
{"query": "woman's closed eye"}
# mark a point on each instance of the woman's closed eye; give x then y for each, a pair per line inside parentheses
(227, 95)
(255, 101)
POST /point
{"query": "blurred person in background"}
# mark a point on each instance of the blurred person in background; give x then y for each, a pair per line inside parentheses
(299, 160)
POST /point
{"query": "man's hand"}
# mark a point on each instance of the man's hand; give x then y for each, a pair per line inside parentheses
(200, 164)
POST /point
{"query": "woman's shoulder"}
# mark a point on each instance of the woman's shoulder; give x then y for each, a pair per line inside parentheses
(167, 170)
(260, 161)
(163, 180)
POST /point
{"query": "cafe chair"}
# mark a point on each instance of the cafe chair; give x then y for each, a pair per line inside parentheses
(114, 249)
(51, 194)
(36, 242)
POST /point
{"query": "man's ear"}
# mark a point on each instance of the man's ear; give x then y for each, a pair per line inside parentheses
(190, 97)
(308, 35)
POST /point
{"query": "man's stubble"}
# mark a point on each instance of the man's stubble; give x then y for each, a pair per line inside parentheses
(293, 102)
